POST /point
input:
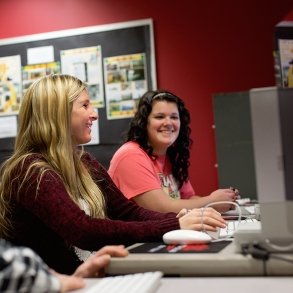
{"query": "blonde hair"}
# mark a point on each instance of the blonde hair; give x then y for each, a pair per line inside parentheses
(45, 129)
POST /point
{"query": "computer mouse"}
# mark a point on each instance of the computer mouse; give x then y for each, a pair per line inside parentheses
(186, 237)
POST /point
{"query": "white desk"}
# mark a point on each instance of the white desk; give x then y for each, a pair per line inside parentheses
(226, 284)
(225, 263)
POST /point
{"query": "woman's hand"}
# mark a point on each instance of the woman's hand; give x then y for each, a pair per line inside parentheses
(203, 219)
(92, 267)
(227, 194)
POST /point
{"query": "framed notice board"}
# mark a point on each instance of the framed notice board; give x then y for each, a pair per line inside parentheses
(118, 39)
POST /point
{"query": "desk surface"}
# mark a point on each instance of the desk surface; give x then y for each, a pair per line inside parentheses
(226, 284)
(225, 263)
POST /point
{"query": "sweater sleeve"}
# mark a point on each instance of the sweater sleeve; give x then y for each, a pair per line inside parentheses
(22, 270)
(126, 222)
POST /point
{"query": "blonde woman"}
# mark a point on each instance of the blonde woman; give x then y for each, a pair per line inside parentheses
(57, 199)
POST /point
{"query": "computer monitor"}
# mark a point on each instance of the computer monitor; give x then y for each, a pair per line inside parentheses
(272, 131)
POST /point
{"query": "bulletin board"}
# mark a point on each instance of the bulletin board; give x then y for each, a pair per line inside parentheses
(118, 39)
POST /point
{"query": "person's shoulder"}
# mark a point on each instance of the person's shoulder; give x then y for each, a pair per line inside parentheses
(40, 163)
(129, 148)
(32, 158)
(86, 156)
(89, 158)
(91, 161)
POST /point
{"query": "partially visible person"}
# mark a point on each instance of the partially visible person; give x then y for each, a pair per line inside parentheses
(152, 167)
(22, 270)
(57, 199)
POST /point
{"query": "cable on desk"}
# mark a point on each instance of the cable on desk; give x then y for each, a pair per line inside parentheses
(224, 202)
(257, 252)
(281, 248)
(282, 258)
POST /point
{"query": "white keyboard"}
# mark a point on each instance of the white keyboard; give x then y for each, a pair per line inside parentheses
(245, 211)
(232, 227)
(147, 282)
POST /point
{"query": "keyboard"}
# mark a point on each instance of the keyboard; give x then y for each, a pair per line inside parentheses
(232, 226)
(245, 211)
(147, 282)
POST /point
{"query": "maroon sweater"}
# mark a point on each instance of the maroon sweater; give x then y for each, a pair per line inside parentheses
(51, 223)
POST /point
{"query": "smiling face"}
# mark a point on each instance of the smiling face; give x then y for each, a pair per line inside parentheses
(82, 117)
(163, 126)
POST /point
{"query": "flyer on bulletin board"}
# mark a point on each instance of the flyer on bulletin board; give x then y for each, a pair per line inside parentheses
(125, 82)
(86, 64)
(10, 84)
(286, 60)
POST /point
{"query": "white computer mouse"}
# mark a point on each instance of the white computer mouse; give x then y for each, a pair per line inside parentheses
(186, 237)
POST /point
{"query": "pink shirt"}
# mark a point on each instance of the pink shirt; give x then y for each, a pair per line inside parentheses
(134, 172)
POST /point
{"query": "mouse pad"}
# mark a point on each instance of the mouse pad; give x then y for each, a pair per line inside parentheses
(159, 247)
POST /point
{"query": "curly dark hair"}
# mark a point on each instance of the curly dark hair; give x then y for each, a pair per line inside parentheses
(179, 152)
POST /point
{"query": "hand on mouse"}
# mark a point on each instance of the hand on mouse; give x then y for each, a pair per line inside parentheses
(203, 219)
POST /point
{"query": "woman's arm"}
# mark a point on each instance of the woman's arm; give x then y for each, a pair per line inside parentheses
(22, 270)
(158, 200)
(93, 267)
(50, 205)
(134, 173)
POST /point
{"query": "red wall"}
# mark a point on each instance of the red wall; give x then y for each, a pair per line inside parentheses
(202, 48)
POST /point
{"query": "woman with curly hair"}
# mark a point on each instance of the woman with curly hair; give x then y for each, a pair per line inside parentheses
(151, 168)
